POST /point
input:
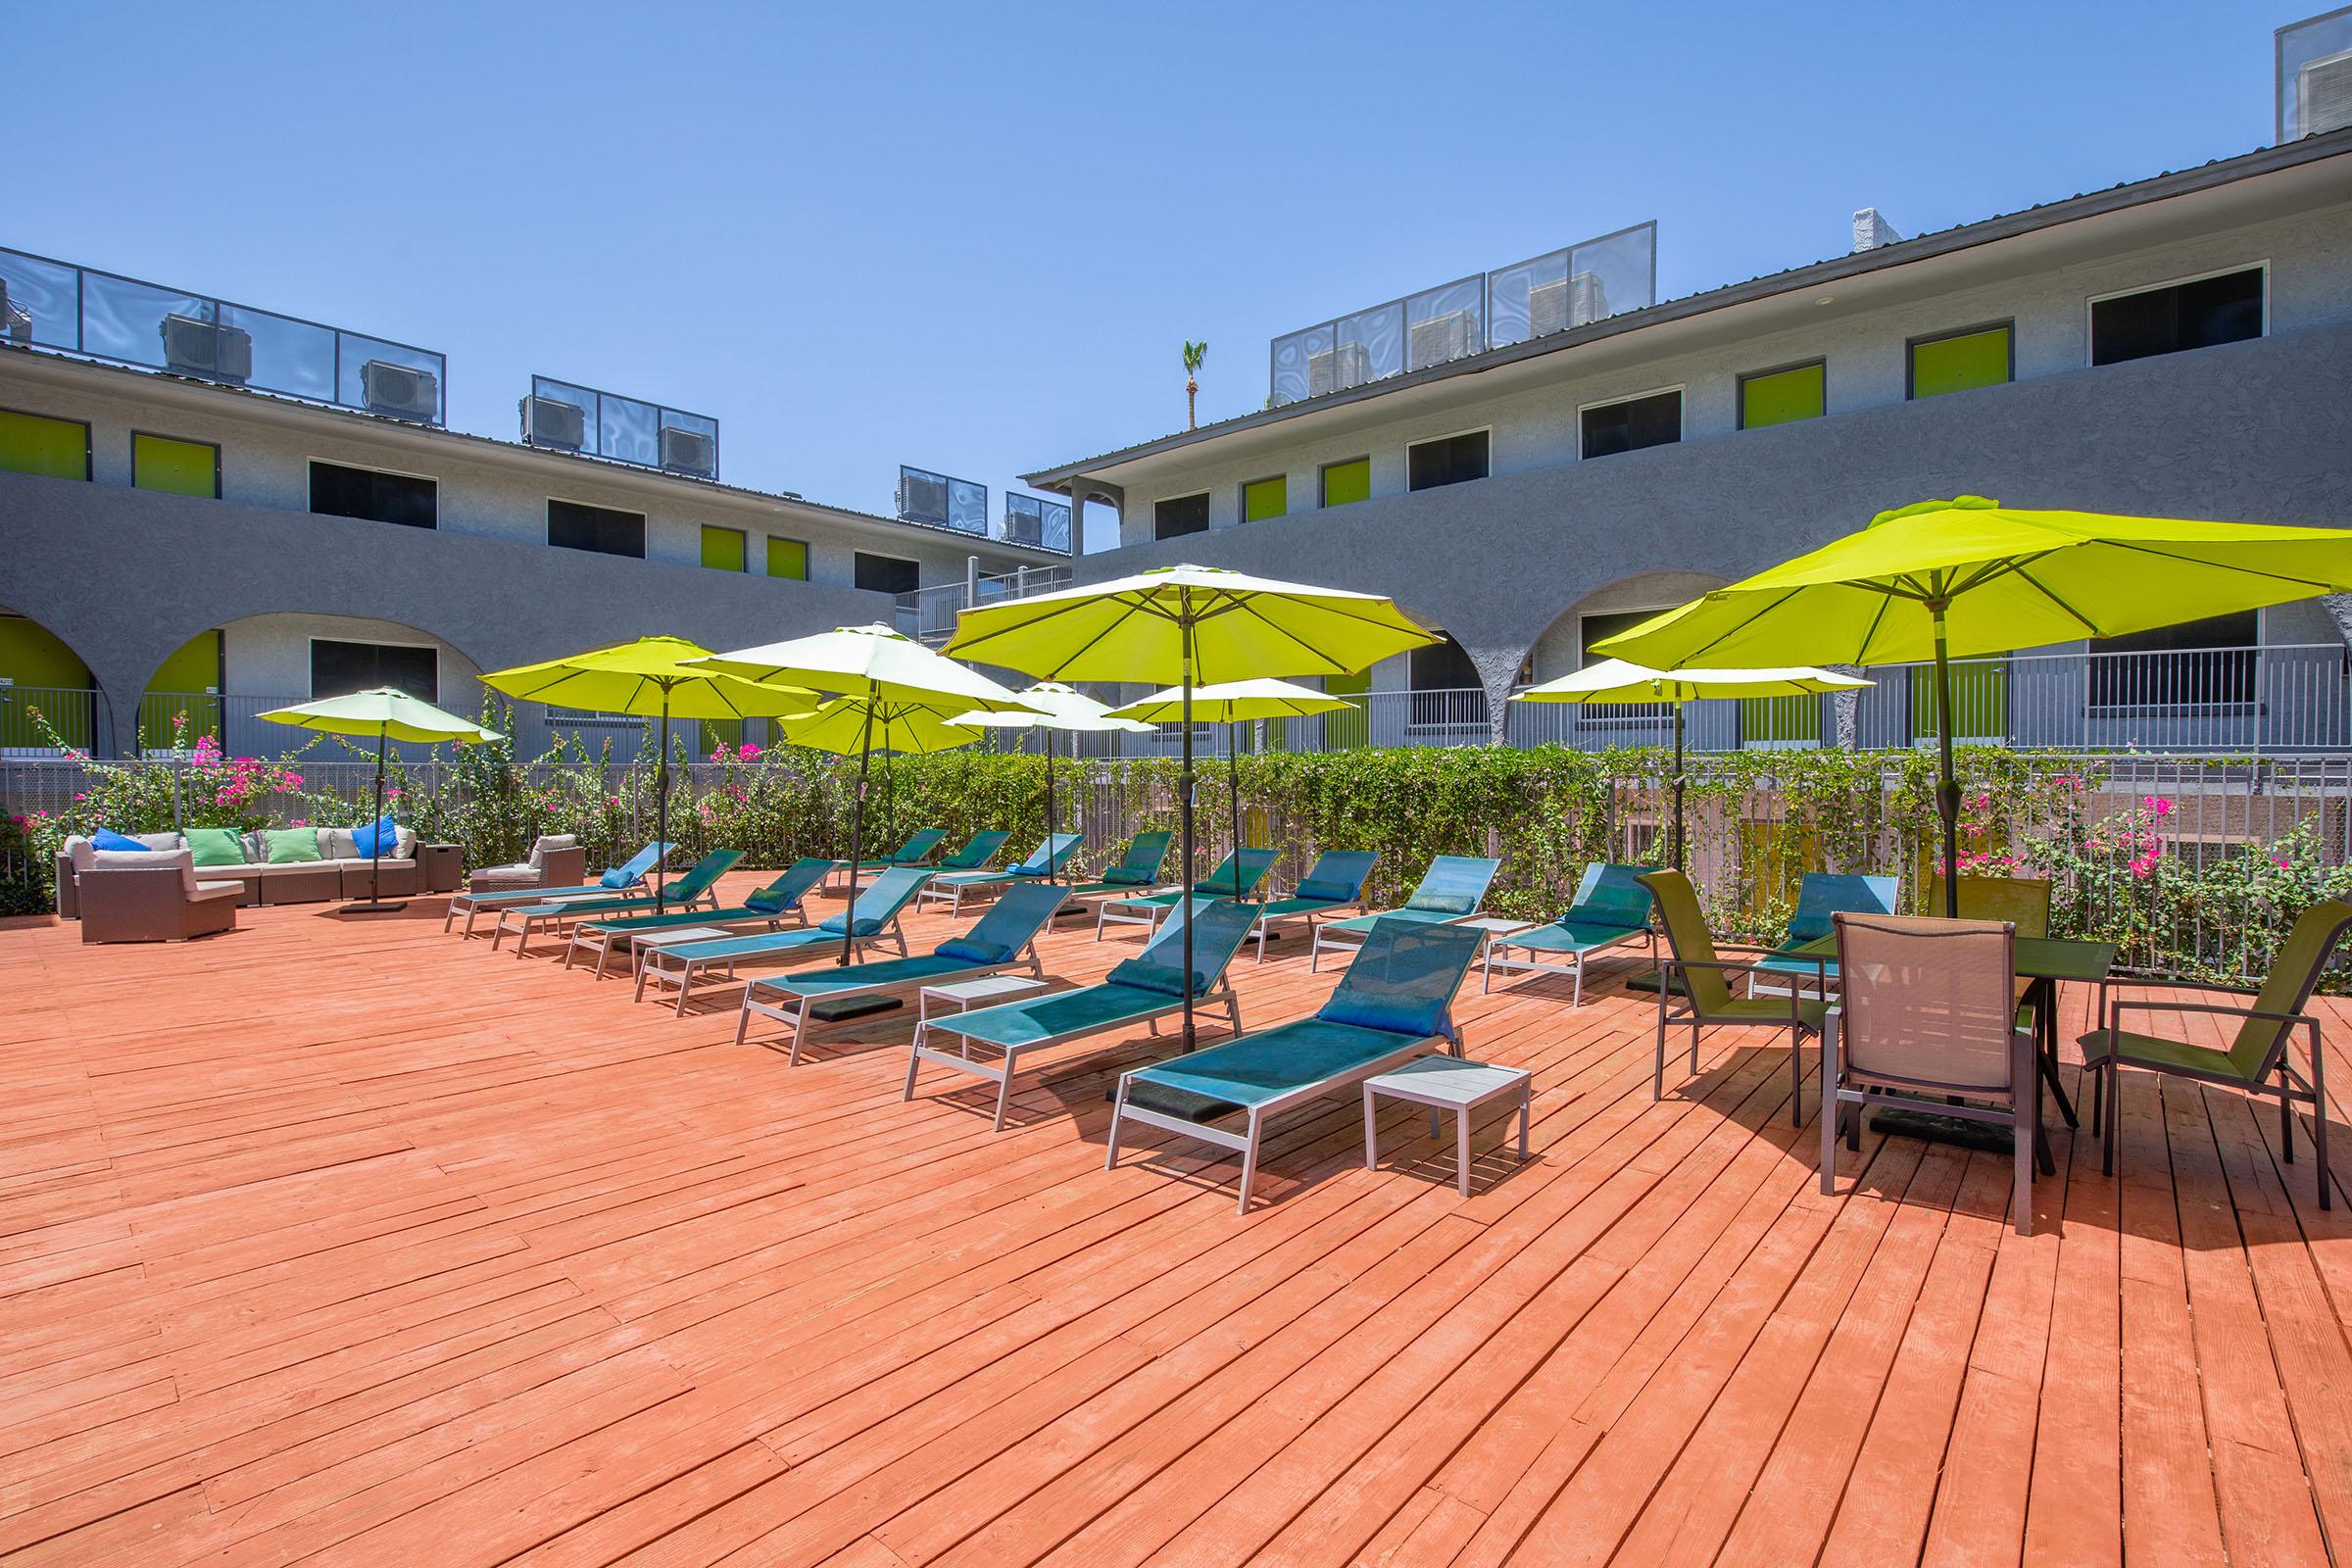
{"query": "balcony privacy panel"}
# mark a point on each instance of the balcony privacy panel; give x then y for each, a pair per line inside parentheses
(1445, 323)
(2315, 76)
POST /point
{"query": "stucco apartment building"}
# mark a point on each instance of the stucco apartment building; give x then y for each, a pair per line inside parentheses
(2181, 345)
(211, 509)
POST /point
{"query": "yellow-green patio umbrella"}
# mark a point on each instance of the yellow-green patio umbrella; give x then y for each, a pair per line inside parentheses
(389, 714)
(650, 678)
(1182, 626)
(1233, 702)
(1058, 709)
(1613, 680)
(1941, 579)
(883, 677)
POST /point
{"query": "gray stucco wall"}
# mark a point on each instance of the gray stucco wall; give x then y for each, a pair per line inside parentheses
(2258, 431)
(125, 577)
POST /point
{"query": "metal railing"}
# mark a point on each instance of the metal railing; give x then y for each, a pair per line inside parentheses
(570, 417)
(34, 718)
(1544, 294)
(54, 305)
(929, 614)
(932, 500)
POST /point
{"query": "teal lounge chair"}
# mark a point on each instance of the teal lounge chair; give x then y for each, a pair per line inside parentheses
(1046, 860)
(914, 851)
(1139, 867)
(1334, 881)
(872, 919)
(1611, 908)
(1395, 1003)
(1143, 990)
(1237, 877)
(1008, 931)
(1451, 890)
(769, 905)
(618, 882)
(697, 886)
(1821, 897)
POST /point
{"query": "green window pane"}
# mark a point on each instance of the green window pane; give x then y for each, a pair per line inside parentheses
(57, 449)
(183, 685)
(1782, 397)
(1266, 498)
(1343, 482)
(1979, 701)
(1343, 732)
(788, 558)
(718, 732)
(181, 468)
(723, 548)
(1957, 363)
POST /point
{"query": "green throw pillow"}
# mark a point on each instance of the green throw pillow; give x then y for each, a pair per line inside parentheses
(290, 845)
(215, 846)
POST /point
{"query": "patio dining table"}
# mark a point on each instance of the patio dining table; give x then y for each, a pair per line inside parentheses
(2046, 961)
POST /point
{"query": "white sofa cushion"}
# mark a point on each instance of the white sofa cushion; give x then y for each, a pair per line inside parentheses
(183, 860)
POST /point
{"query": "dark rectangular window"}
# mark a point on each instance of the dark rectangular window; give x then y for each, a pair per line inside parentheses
(2198, 662)
(398, 498)
(1172, 520)
(1451, 461)
(886, 574)
(574, 526)
(1442, 678)
(339, 669)
(2180, 315)
(1655, 421)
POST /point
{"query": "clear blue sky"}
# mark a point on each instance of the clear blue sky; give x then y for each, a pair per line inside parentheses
(974, 237)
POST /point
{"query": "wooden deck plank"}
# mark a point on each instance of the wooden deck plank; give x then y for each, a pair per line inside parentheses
(466, 1259)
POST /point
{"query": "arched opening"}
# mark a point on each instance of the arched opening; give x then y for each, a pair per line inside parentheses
(49, 700)
(1566, 645)
(218, 681)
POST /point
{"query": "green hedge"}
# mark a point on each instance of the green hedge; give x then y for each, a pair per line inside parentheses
(2123, 866)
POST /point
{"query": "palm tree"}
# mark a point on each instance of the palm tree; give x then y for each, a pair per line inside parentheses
(1194, 354)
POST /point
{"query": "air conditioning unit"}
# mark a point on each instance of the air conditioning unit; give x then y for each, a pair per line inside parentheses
(1547, 308)
(16, 321)
(552, 422)
(400, 390)
(2324, 94)
(193, 347)
(922, 499)
(693, 451)
(1337, 370)
(1436, 339)
(1021, 527)
(1588, 300)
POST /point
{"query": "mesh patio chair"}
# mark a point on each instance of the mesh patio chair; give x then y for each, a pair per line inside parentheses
(1695, 988)
(2256, 1053)
(1928, 1019)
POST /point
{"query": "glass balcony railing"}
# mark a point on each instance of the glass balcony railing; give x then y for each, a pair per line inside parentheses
(960, 506)
(566, 416)
(54, 305)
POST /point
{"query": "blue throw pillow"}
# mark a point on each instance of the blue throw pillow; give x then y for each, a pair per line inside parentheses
(971, 951)
(1145, 975)
(618, 877)
(1329, 889)
(366, 839)
(106, 838)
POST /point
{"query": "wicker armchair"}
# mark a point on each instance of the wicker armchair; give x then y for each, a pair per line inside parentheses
(152, 896)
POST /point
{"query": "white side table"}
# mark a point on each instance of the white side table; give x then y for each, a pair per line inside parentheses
(1495, 927)
(988, 990)
(1448, 1083)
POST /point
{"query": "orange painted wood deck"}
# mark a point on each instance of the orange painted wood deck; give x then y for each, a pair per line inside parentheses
(338, 1239)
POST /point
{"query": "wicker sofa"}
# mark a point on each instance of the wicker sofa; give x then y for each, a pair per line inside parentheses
(339, 872)
(151, 896)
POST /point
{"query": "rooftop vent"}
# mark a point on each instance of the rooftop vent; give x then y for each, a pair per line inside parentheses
(1871, 231)
(2314, 82)
(554, 422)
(401, 391)
(199, 348)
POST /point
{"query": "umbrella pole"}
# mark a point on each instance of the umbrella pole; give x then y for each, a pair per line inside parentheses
(661, 806)
(866, 758)
(1232, 788)
(1947, 786)
(1678, 785)
(376, 904)
(1184, 786)
(1050, 871)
